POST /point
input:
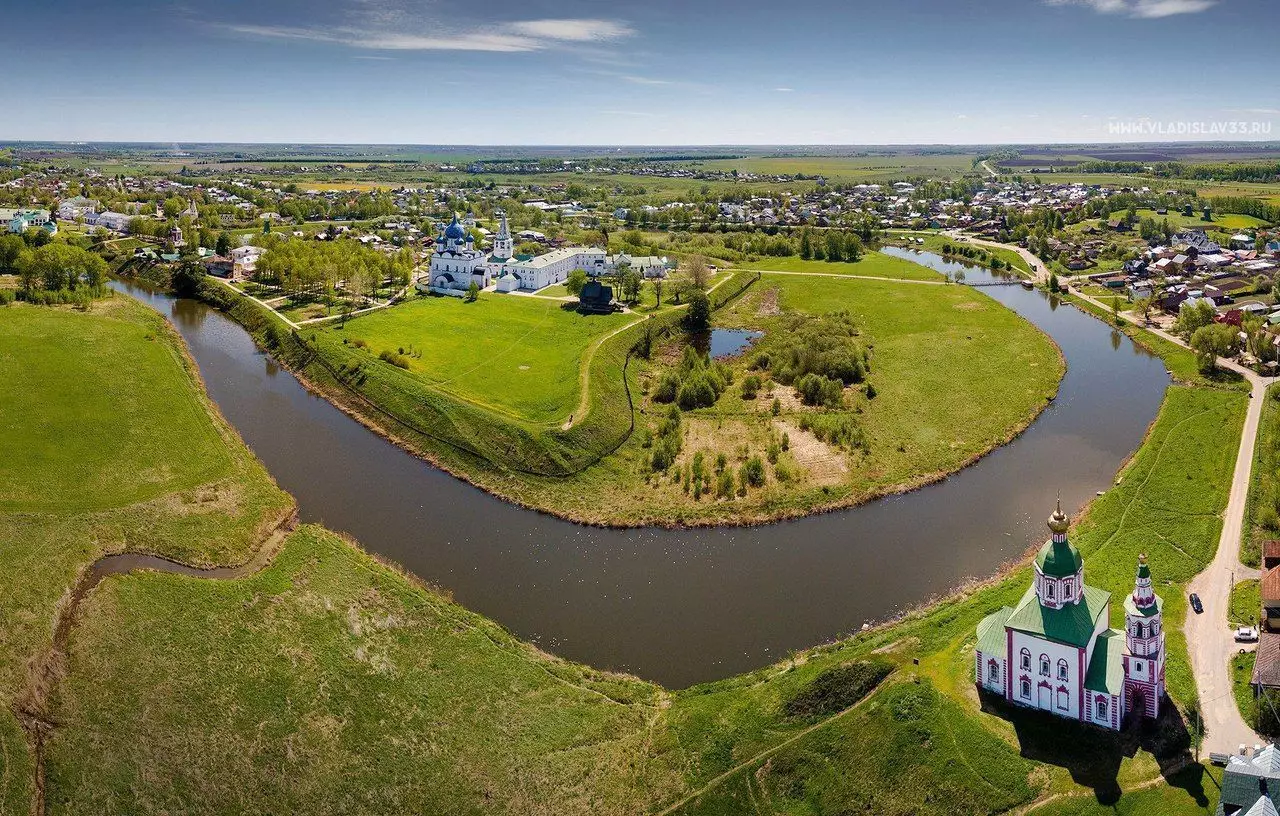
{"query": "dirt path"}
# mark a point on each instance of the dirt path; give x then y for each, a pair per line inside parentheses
(715, 781)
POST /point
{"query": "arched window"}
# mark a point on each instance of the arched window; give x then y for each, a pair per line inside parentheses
(1026, 689)
(1063, 702)
(994, 671)
(1142, 629)
(1044, 665)
(1026, 659)
(1102, 708)
(1048, 590)
(1066, 591)
(1062, 670)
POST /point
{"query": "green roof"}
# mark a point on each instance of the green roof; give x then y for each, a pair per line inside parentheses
(1133, 609)
(1058, 560)
(1073, 624)
(1106, 667)
(991, 637)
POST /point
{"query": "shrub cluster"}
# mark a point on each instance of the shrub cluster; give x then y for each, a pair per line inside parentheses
(840, 430)
(825, 345)
(666, 447)
(695, 383)
(838, 688)
(398, 360)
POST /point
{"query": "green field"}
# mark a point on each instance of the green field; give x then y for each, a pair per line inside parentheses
(76, 444)
(111, 446)
(872, 265)
(853, 168)
(1225, 222)
(514, 354)
(1262, 513)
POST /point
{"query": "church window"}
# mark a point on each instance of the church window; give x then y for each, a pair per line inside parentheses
(994, 672)
(1102, 709)
(1066, 591)
(1062, 670)
(1044, 665)
(1048, 590)
(1026, 659)
(1063, 702)
(1026, 688)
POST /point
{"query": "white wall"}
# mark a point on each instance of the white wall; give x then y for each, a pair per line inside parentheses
(1055, 652)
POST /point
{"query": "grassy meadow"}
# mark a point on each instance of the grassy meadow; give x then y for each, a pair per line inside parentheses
(514, 354)
(1262, 513)
(109, 445)
(1223, 222)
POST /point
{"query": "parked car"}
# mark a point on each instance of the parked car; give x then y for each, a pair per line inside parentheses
(1195, 603)
(1246, 634)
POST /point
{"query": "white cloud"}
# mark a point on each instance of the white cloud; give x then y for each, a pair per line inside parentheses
(1142, 9)
(784, 90)
(572, 30)
(388, 28)
(643, 80)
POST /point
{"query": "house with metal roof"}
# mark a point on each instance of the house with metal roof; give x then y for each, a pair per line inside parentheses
(1056, 651)
(1251, 785)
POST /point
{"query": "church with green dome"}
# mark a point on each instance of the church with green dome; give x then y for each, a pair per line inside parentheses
(1056, 650)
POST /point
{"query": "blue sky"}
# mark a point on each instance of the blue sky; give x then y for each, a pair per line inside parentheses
(652, 72)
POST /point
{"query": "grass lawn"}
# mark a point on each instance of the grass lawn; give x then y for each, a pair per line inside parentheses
(95, 405)
(1262, 514)
(873, 264)
(109, 445)
(518, 355)
(1246, 603)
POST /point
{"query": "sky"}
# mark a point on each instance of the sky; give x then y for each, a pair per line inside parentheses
(657, 72)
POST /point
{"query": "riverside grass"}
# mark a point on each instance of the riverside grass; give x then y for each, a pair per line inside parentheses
(330, 682)
(109, 445)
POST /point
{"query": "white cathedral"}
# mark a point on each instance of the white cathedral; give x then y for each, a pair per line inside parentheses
(456, 263)
(1056, 651)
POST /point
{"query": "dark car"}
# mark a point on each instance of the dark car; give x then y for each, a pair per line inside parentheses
(1195, 603)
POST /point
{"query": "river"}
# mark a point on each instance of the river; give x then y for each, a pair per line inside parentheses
(686, 606)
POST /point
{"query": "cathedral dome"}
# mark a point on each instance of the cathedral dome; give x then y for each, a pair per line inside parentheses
(455, 231)
(1059, 558)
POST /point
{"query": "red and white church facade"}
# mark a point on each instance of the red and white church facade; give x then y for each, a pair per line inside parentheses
(1056, 650)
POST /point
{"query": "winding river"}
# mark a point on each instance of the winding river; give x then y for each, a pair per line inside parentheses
(682, 607)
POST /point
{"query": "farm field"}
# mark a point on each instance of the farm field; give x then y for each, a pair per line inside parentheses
(1221, 221)
(519, 355)
(873, 264)
(851, 168)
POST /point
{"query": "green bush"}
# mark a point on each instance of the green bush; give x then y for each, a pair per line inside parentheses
(837, 688)
(753, 472)
(815, 389)
(398, 360)
(750, 387)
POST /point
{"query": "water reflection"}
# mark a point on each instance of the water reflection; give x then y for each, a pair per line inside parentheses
(686, 606)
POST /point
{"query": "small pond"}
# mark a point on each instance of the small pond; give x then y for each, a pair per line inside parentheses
(725, 343)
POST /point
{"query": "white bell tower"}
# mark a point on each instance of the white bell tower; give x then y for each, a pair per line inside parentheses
(503, 246)
(1144, 646)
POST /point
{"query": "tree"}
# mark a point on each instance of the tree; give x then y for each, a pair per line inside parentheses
(61, 266)
(473, 292)
(1193, 318)
(696, 268)
(576, 280)
(657, 290)
(1211, 342)
(11, 248)
(223, 245)
(173, 207)
(698, 318)
(630, 281)
(1143, 306)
